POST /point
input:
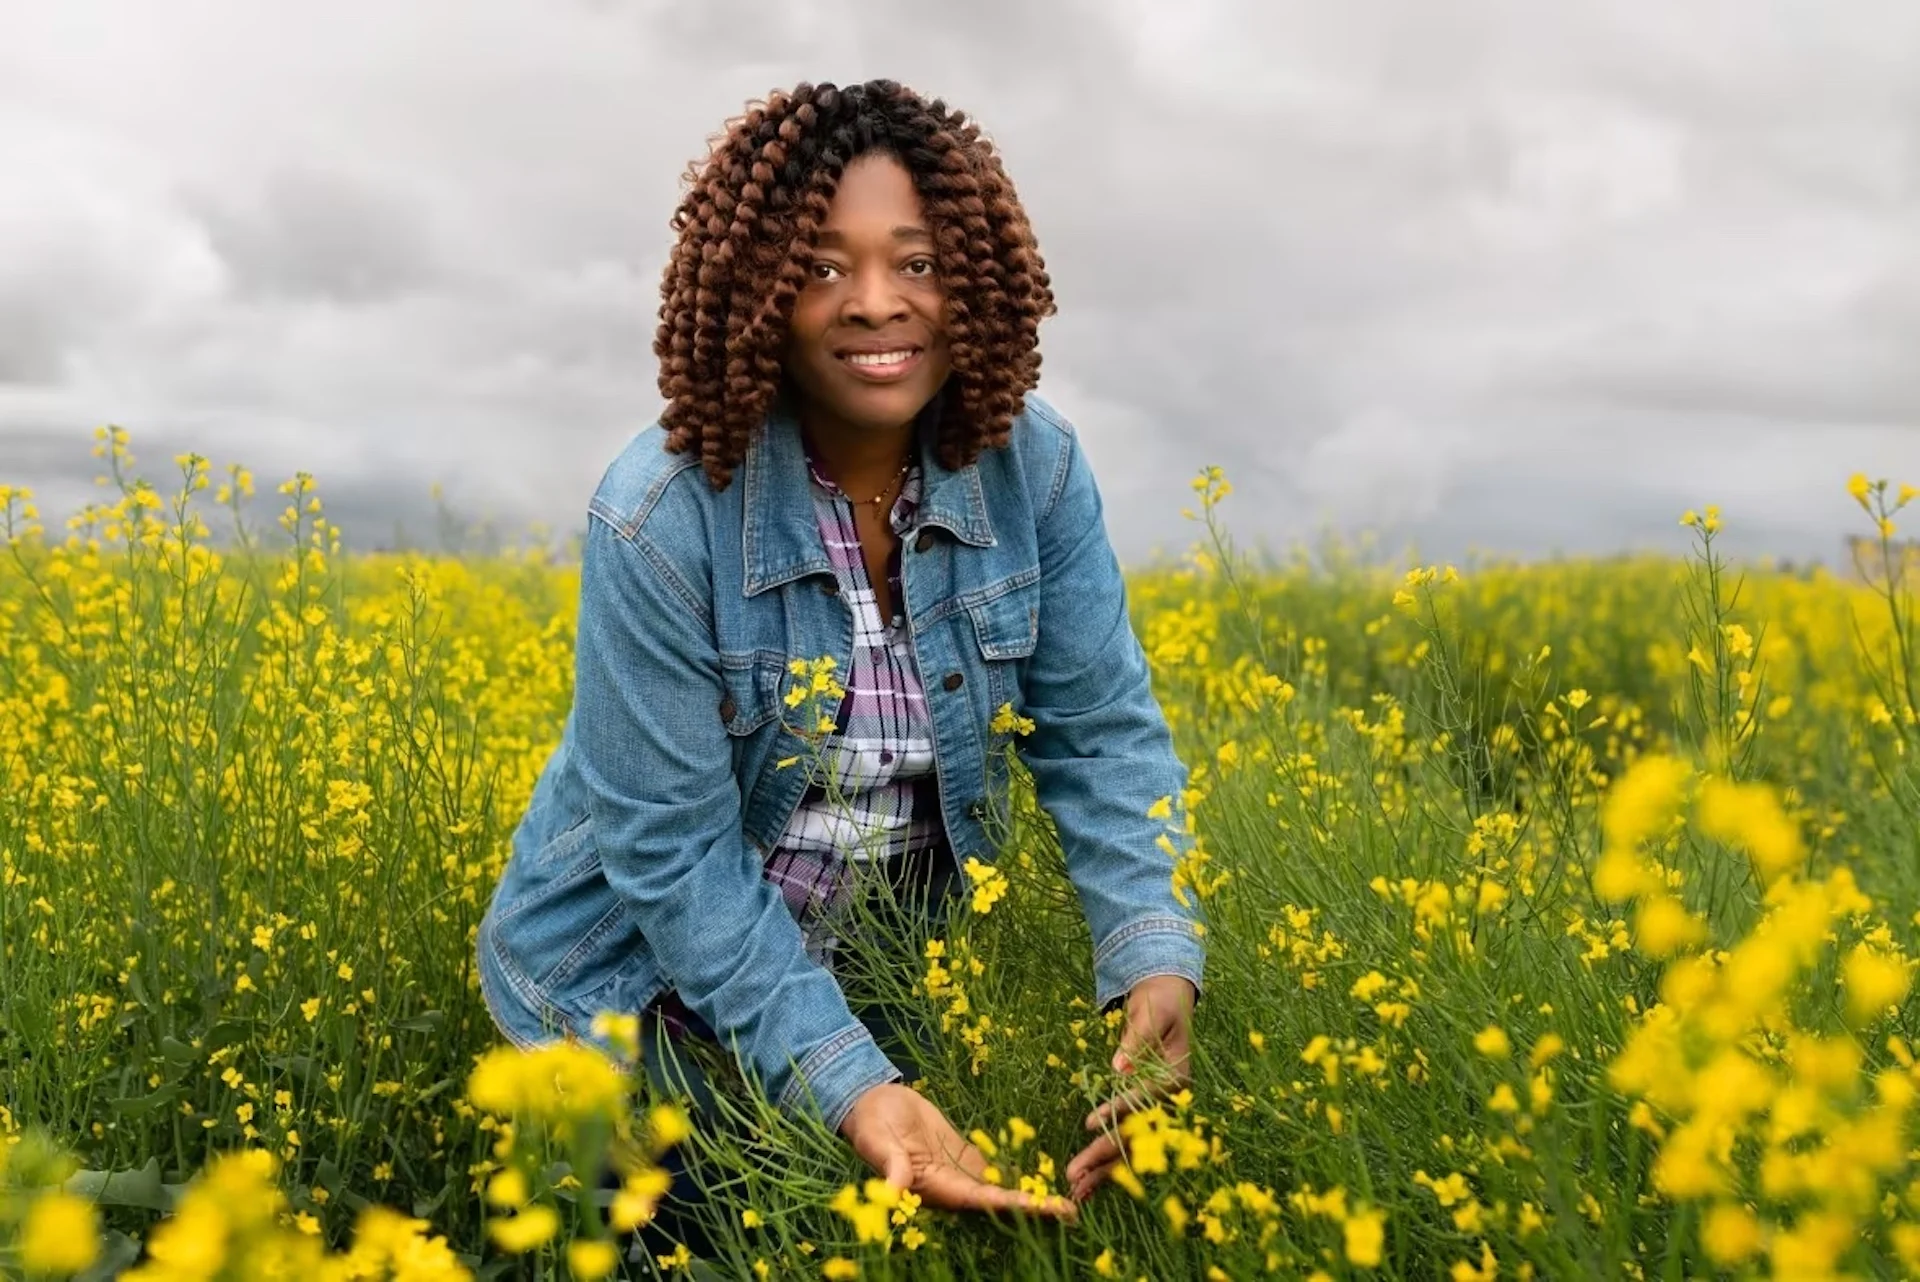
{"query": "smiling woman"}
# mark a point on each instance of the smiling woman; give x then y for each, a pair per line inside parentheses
(849, 329)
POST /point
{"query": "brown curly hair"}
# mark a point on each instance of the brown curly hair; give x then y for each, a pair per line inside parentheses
(745, 240)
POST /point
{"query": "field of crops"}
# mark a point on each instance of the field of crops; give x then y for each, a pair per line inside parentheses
(1560, 921)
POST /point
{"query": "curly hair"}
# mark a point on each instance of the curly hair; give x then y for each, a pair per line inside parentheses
(746, 229)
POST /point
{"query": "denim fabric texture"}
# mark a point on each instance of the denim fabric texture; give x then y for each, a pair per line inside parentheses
(639, 865)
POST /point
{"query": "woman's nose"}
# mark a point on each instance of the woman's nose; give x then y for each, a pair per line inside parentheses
(873, 299)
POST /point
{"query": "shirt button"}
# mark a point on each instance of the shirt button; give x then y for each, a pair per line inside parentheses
(886, 756)
(924, 542)
(952, 681)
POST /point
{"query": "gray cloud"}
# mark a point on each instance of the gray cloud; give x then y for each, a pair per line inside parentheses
(1489, 274)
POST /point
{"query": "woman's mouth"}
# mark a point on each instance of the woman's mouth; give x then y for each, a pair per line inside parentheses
(881, 367)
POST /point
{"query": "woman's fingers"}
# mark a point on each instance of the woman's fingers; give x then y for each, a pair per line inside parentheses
(1083, 1188)
(899, 1168)
(953, 1189)
(1104, 1150)
(1127, 1101)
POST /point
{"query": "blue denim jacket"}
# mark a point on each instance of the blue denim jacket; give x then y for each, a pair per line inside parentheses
(638, 864)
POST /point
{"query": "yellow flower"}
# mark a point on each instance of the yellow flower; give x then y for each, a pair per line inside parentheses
(61, 1234)
(621, 1029)
(989, 884)
(1859, 486)
(1365, 1234)
(667, 1124)
(1874, 981)
(590, 1259)
(1007, 721)
(1729, 1234)
(869, 1217)
(750, 1218)
(639, 1195)
(1640, 804)
(839, 1268)
(530, 1229)
(1549, 1045)
(1663, 926)
(508, 1188)
(1368, 986)
(1492, 1042)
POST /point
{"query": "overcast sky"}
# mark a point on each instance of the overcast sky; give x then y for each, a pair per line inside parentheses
(1515, 276)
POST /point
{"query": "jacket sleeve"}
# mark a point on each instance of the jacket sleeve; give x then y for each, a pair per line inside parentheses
(1100, 752)
(667, 813)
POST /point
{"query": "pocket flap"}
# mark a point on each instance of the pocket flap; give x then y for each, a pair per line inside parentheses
(751, 691)
(1008, 626)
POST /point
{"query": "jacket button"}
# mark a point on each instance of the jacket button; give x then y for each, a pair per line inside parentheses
(728, 708)
(924, 542)
(951, 681)
(831, 587)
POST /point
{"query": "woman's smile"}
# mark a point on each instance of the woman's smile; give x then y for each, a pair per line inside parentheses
(884, 366)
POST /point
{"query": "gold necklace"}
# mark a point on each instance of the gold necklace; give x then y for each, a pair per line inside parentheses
(875, 500)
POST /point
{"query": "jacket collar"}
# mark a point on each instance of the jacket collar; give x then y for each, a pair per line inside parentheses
(781, 536)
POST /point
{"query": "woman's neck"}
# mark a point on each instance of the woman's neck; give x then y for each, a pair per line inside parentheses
(857, 459)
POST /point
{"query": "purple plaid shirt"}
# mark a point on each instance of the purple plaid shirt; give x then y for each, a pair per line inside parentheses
(880, 754)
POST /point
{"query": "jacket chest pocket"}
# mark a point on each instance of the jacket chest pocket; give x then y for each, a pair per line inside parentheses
(750, 692)
(1006, 628)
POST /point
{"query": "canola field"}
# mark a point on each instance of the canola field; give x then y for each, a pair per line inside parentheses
(1561, 920)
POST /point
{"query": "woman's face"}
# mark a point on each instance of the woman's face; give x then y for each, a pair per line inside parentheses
(867, 344)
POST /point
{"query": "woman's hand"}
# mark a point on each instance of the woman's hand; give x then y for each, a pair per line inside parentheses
(910, 1143)
(1159, 1010)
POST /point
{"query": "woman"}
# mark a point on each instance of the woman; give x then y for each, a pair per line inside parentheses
(850, 464)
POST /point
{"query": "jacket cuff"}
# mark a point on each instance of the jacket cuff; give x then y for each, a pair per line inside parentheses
(1159, 945)
(835, 1074)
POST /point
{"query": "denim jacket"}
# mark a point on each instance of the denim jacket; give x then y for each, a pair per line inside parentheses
(638, 865)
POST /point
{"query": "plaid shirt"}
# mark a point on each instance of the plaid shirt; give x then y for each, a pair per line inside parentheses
(880, 754)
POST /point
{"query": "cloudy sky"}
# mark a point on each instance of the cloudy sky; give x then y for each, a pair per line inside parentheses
(1514, 276)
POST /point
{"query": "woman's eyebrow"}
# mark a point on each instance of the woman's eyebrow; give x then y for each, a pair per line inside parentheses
(830, 238)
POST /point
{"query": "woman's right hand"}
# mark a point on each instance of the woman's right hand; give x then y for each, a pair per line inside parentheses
(911, 1144)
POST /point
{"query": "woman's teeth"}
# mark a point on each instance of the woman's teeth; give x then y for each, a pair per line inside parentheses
(879, 358)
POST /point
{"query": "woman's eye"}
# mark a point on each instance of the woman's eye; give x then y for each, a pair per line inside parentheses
(920, 267)
(823, 271)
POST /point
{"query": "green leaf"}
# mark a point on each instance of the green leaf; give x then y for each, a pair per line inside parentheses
(142, 1188)
(435, 1089)
(141, 1105)
(118, 1251)
(299, 1066)
(425, 1022)
(175, 1051)
(423, 1208)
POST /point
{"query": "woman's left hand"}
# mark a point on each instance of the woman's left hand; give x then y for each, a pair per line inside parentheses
(1159, 1010)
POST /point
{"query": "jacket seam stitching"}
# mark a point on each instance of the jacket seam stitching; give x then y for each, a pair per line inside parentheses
(629, 525)
(1159, 924)
(664, 568)
(537, 1003)
(1058, 483)
(819, 1059)
(585, 946)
